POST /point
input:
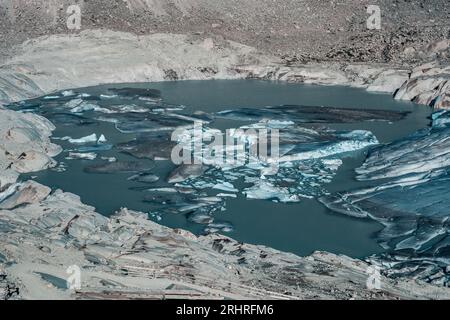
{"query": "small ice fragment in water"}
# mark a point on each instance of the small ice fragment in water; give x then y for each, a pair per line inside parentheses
(219, 227)
(156, 216)
(102, 139)
(83, 156)
(266, 191)
(225, 186)
(227, 195)
(68, 93)
(144, 177)
(98, 147)
(60, 168)
(200, 217)
(109, 159)
(108, 96)
(84, 106)
(61, 138)
(88, 139)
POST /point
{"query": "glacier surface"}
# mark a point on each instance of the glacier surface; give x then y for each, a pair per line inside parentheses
(409, 195)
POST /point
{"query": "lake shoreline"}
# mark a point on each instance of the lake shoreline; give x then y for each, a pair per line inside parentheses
(59, 229)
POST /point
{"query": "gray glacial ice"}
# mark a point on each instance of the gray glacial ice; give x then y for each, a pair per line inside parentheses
(144, 178)
(134, 93)
(118, 167)
(150, 147)
(409, 195)
(311, 114)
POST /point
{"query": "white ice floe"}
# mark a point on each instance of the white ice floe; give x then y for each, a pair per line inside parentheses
(83, 107)
(68, 93)
(83, 156)
(102, 139)
(265, 190)
(109, 159)
(227, 195)
(106, 96)
(88, 139)
(278, 124)
(65, 138)
(225, 186)
(129, 108)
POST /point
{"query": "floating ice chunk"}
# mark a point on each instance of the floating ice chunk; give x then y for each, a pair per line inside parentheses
(219, 227)
(168, 190)
(102, 139)
(108, 96)
(264, 190)
(278, 124)
(332, 164)
(73, 103)
(200, 217)
(88, 139)
(51, 97)
(195, 183)
(84, 106)
(225, 186)
(139, 93)
(97, 147)
(109, 159)
(68, 93)
(60, 168)
(110, 110)
(270, 170)
(227, 195)
(144, 177)
(155, 216)
(130, 108)
(84, 156)
(65, 138)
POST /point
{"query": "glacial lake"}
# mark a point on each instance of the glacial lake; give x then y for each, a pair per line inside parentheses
(298, 227)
